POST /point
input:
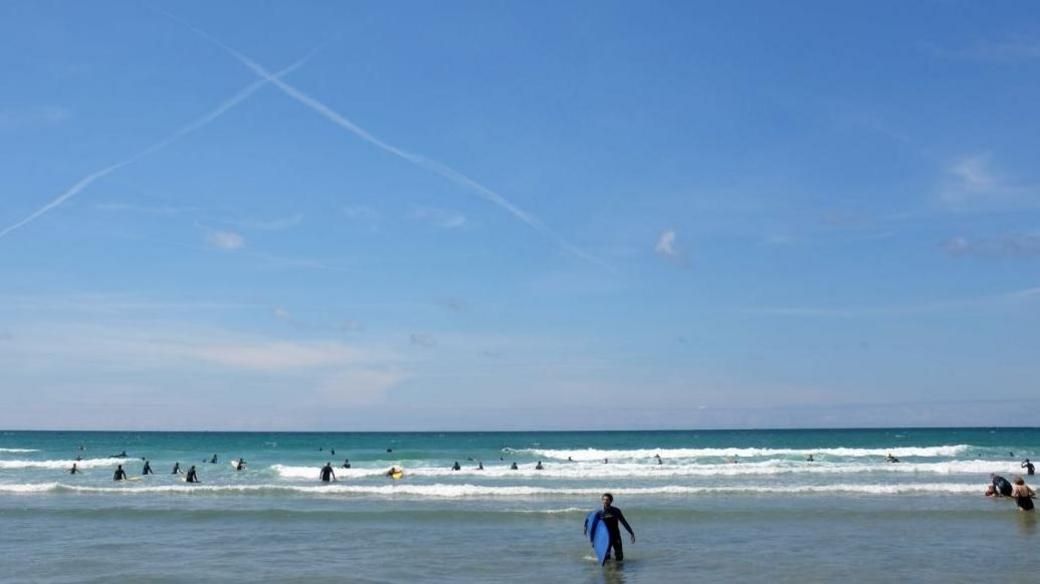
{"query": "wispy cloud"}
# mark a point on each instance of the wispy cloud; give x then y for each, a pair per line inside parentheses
(972, 182)
(177, 135)
(228, 240)
(441, 218)
(418, 160)
(991, 301)
(1011, 48)
(423, 340)
(1006, 246)
(33, 116)
(667, 247)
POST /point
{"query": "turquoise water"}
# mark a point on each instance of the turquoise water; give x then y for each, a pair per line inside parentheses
(719, 504)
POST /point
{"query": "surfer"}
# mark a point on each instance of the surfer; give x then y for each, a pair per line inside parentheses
(120, 455)
(213, 460)
(327, 473)
(570, 459)
(456, 466)
(394, 472)
(176, 468)
(1023, 495)
(191, 477)
(659, 461)
(514, 467)
(1000, 485)
(346, 463)
(611, 516)
(539, 466)
(1030, 469)
(74, 469)
(891, 458)
(389, 449)
(480, 465)
(147, 470)
(241, 465)
(120, 474)
(810, 458)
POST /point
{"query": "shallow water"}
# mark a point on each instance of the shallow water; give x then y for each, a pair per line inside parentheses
(771, 516)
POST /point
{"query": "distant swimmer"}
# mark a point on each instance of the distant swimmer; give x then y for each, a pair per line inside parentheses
(659, 461)
(611, 516)
(1030, 469)
(147, 470)
(241, 464)
(539, 466)
(333, 451)
(456, 466)
(389, 449)
(346, 463)
(810, 458)
(605, 461)
(480, 465)
(120, 474)
(192, 476)
(120, 455)
(327, 473)
(81, 447)
(176, 468)
(569, 459)
(213, 460)
(74, 469)
(1011, 454)
(1023, 495)
(1001, 486)
(891, 458)
(395, 473)
(514, 467)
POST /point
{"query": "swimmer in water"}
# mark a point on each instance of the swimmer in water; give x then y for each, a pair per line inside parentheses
(456, 466)
(74, 469)
(346, 463)
(241, 465)
(1030, 469)
(192, 476)
(1023, 495)
(327, 473)
(480, 465)
(514, 467)
(176, 468)
(539, 466)
(147, 470)
(120, 474)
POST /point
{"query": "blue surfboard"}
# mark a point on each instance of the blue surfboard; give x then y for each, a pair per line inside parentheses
(598, 535)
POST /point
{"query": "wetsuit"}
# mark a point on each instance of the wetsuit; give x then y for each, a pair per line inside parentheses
(192, 477)
(346, 464)
(73, 470)
(119, 475)
(176, 468)
(456, 466)
(1002, 486)
(1024, 502)
(147, 469)
(326, 473)
(241, 464)
(611, 517)
(213, 460)
(1030, 469)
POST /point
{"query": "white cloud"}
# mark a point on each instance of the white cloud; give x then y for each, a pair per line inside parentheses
(226, 240)
(33, 116)
(282, 314)
(972, 182)
(666, 246)
(442, 218)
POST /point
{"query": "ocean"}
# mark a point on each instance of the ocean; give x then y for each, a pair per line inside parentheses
(717, 505)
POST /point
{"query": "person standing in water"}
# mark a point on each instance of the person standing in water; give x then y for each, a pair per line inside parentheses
(176, 468)
(241, 464)
(191, 477)
(1023, 495)
(611, 516)
(327, 474)
(120, 474)
(213, 460)
(346, 463)
(456, 466)
(147, 470)
(1030, 469)
(73, 470)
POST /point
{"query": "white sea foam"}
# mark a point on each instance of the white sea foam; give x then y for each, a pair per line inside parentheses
(589, 454)
(65, 464)
(629, 470)
(18, 450)
(446, 491)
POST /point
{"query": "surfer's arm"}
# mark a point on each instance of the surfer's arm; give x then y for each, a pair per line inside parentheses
(628, 528)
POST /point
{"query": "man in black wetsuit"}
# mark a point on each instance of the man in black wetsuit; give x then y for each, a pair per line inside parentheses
(241, 464)
(73, 470)
(213, 460)
(456, 466)
(346, 463)
(327, 474)
(120, 474)
(191, 477)
(1001, 485)
(611, 516)
(147, 470)
(176, 468)
(1030, 469)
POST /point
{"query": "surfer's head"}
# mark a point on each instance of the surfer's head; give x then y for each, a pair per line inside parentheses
(607, 499)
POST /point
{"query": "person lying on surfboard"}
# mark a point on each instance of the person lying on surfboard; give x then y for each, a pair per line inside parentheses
(611, 516)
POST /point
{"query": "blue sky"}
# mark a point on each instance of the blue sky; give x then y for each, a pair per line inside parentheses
(493, 215)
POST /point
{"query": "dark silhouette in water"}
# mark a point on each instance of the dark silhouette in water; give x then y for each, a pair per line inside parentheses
(327, 474)
(120, 474)
(192, 477)
(147, 470)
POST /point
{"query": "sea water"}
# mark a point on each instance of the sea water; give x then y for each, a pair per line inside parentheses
(716, 505)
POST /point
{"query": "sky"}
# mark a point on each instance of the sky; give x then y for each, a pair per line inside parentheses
(518, 215)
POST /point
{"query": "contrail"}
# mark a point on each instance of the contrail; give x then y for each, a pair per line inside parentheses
(184, 131)
(431, 165)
